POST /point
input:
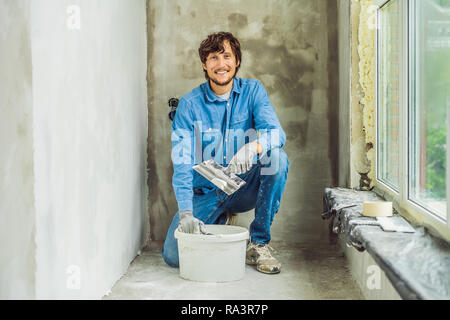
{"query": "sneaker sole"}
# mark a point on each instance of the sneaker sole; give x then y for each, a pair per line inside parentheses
(253, 263)
(269, 272)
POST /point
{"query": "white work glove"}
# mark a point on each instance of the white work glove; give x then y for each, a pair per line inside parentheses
(243, 159)
(189, 224)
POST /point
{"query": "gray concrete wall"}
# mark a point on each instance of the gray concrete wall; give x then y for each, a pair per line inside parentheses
(90, 142)
(292, 48)
(344, 24)
(17, 215)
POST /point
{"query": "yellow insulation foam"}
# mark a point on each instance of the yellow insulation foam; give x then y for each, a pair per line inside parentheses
(367, 69)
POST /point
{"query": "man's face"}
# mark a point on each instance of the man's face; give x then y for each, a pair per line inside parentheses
(221, 67)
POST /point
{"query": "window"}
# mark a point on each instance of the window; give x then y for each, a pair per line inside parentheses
(413, 100)
(430, 100)
(389, 86)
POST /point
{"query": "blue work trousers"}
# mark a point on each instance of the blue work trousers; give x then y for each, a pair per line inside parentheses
(263, 191)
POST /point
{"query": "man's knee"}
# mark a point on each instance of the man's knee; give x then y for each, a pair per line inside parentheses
(170, 249)
(284, 161)
(170, 257)
(277, 163)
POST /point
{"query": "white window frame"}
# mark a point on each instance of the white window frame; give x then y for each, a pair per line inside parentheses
(447, 184)
(401, 199)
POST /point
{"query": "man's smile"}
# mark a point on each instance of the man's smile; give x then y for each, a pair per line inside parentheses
(221, 72)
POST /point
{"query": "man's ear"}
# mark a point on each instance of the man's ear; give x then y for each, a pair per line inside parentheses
(204, 66)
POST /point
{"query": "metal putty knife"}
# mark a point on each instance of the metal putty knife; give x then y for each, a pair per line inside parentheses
(223, 179)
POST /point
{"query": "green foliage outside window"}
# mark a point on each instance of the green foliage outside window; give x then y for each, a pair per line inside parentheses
(436, 162)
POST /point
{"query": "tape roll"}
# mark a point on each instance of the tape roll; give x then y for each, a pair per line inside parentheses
(377, 209)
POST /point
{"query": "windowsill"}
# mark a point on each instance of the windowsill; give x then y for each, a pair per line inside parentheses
(414, 214)
(417, 263)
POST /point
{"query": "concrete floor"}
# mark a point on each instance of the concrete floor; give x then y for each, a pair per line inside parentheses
(308, 272)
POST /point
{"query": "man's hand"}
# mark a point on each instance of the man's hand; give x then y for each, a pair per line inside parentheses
(243, 159)
(189, 224)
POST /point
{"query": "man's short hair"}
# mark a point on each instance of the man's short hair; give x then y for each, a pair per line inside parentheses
(214, 43)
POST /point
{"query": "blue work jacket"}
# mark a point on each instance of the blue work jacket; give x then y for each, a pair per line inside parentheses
(208, 127)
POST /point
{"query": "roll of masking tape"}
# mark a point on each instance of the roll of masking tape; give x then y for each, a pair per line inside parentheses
(377, 209)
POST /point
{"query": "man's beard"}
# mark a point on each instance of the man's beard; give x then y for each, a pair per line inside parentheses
(223, 83)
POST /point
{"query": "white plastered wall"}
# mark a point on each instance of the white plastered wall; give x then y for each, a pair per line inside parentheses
(90, 130)
(73, 142)
(17, 219)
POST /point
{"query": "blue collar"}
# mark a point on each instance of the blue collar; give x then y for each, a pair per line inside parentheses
(211, 96)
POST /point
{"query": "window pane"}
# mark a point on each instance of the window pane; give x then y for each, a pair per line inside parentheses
(430, 100)
(388, 94)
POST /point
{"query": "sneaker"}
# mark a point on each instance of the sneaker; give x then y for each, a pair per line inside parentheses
(261, 257)
(231, 219)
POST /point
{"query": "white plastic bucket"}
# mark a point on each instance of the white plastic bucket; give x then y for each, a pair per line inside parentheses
(219, 257)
